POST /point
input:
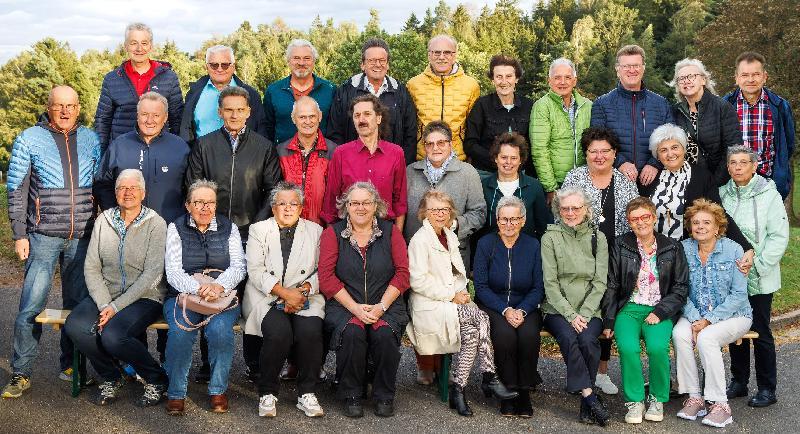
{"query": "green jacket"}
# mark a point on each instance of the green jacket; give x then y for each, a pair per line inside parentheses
(572, 285)
(758, 210)
(555, 147)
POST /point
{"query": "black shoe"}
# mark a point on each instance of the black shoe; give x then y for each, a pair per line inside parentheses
(507, 407)
(491, 385)
(107, 392)
(457, 401)
(384, 408)
(585, 415)
(153, 394)
(764, 398)
(598, 411)
(353, 408)
(736, 390)
(203, 376)
(522, 404)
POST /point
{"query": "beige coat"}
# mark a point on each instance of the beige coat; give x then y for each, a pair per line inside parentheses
(265, 268)
(434, 327)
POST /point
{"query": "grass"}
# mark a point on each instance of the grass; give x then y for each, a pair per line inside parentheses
(6, 239)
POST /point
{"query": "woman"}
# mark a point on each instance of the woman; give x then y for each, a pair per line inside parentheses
(508, 152)
(757, 208)
(363, 271)
(205, 258)
(503, 111)
(647, 284)
(716, 313)
(609, 192)
(509, 288)
(282, 300)
(711, 123)
(122, 87)
(442, 171)
(123, 270)
(444, 320)
(575, 266)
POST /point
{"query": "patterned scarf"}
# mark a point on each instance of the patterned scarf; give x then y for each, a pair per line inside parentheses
(669, 200)
(435, 175)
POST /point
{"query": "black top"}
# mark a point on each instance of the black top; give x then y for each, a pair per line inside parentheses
(607, 210)
(287, 238)
(487, 120)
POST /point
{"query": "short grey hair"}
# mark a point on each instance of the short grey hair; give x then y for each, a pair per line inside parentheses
(305, 99)
(710, 83)
(233, 91)
(152, 96)
(133, 27)
(286, 186)
(297, 43)
(447, 38)
(220, 49)
(511, 202)
(562, 61)
(667, 132)
(341, 201)
(135, 174)
(566, 192)
(197, 185)
(741, 149)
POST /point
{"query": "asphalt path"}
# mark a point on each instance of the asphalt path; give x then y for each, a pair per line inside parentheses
(47, 406)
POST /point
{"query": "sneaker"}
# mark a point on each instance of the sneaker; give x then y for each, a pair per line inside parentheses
(153, 394)
(635, 410)
(655, 410)
(309, 405)
(107, 392)
(693, 408)
(719, 416)
(66, 375)
(266, 406)
(16, 385)
(603, 381)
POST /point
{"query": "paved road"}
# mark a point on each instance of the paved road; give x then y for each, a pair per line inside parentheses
(47, 407)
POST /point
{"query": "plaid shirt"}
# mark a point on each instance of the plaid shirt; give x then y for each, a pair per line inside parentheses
(758, 130)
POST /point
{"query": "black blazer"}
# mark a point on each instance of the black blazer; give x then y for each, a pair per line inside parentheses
(487, 120)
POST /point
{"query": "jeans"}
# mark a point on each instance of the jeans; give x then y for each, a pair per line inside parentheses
(283, 333)
(629, 329)
(118, 340)
(763, 348)
(219, 333)
(581, 351)
(45, 251)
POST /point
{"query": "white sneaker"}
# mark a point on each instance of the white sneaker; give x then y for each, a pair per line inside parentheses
(309, 405)
(655, 410)
(603, 381)
(266, 406)
(634, 414)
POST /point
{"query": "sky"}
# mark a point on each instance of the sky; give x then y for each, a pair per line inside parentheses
(88, 24)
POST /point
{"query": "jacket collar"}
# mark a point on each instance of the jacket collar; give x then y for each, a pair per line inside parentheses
(454, 166)
(498, 105)
(663, 243)
(162, 66)
(756, 186)
(578, 98)
(524, 180)
(287, 82)
(630, 94)
(152, 142)
(459, 71)
(44, 122)
(358, 82)
(321, 145)
(683, 105)
(774, 99)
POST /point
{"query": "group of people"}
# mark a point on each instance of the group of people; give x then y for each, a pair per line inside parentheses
(339, 219)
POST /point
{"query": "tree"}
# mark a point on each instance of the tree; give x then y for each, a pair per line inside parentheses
(412, 23)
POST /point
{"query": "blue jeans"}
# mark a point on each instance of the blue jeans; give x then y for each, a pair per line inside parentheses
(220, 337)
(45, 252)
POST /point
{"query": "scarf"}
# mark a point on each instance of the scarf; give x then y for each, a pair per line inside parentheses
(669, 199)
(435, 175)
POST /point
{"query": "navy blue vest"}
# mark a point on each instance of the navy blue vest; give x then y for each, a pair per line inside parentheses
(203, 250)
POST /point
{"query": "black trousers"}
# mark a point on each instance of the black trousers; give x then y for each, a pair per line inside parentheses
(119, 339)
(763, 348)
(383, 348)
(581, 351)
(516, 350)
(284, 333)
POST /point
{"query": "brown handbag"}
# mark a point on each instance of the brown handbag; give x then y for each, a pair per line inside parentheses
(199, 304)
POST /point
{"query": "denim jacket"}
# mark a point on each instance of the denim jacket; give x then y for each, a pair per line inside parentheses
(717, 290)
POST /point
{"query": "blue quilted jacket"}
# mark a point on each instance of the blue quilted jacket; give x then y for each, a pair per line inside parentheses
(116, 109)
(50, 181)
(632, 116)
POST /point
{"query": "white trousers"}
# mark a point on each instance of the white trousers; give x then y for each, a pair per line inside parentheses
(709, 345)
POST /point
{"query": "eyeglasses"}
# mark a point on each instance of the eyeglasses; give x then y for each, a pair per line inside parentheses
(509, 220)
(688, 77)
(571, 209)
(645, 218)
(288, 204)
(202, 204)
(603, 152)
(748, 76)
(379, 62)
(439, 143)
(302, 59)
(61, 107)
(438, 210)
(438, 53)
(132, 189)
(364, 203)
(222, 66)
(632, 67)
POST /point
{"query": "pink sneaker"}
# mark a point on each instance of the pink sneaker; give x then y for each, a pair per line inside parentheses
(719, 416)
(692, 409)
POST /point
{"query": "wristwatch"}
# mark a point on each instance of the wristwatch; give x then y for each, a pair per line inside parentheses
(306, 291)
(383, 306)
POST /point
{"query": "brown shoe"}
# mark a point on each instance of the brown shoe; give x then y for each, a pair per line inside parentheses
(219, 403)
(175, 407)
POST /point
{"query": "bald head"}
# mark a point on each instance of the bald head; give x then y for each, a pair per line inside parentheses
(62, 92)
(63, 108)
(307, 116)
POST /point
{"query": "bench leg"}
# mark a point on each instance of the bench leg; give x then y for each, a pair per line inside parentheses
(76, 381)
(444, 378)
(82, 371)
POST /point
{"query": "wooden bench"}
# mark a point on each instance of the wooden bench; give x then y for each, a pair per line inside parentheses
(56, 319)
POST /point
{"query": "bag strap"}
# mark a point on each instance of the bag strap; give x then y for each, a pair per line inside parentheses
(192, 326)
(594, 242)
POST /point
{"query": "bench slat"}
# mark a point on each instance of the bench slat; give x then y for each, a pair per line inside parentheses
(57, 318)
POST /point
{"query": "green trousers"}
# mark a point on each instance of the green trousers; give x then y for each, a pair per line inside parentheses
(629, 329)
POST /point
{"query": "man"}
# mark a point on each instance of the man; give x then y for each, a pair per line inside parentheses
(557, 123)
(51, 211)
(368, 158)
(373, 79)
(443, 92)
(200, 114)
(281, 95)
(305, 157)
(765, 120)
(633, 112)
(245, 167)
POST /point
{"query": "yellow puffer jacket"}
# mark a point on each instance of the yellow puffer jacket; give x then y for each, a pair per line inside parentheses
(448, 99)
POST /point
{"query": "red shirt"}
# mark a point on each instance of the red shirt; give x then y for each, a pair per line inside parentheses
(141, 82)
(386, 169)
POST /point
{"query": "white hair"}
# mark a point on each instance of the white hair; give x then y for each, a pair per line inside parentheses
(305, 99)
(664, 133)
(447, 38)
(710, 83)
(138, 27)
(511, 202)
(562, 61)
(297, 43)
(152, 96)
(134, 174)
(220, 49)
(566, 192)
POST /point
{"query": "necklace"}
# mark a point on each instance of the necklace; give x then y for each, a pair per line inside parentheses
(603, 197)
